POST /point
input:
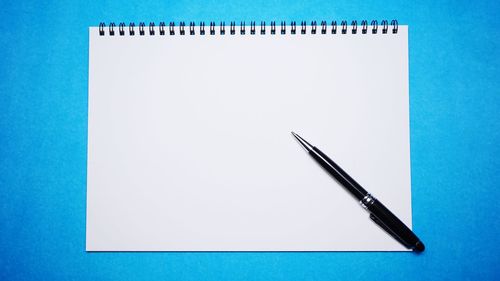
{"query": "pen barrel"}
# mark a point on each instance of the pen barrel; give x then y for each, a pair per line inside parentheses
(394, 226)
(338, 173)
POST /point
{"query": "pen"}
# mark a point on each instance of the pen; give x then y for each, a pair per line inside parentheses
(378, 212)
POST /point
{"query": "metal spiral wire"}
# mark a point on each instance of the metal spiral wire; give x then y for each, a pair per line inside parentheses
(305, 28)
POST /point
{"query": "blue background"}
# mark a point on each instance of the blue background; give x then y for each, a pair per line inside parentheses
(455, 102)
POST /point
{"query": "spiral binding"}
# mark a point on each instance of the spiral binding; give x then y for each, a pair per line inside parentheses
(324, 28)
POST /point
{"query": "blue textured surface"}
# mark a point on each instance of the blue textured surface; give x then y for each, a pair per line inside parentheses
(455, 144)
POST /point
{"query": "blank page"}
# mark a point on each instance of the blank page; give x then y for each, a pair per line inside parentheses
(189, 144)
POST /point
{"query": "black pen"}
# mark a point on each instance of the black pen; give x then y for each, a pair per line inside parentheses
(378, 212)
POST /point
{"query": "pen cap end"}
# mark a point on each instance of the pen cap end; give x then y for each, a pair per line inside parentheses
(419, 247)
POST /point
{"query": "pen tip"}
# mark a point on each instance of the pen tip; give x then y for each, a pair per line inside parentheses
(308, 147)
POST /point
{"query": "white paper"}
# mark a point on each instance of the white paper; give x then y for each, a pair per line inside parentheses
(189, 144)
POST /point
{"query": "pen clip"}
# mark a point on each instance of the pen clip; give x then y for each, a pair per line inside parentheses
(388, 230)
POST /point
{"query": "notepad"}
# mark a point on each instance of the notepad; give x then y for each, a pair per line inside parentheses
(189, 144)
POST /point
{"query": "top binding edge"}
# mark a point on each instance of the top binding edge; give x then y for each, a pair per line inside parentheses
(209, 28)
